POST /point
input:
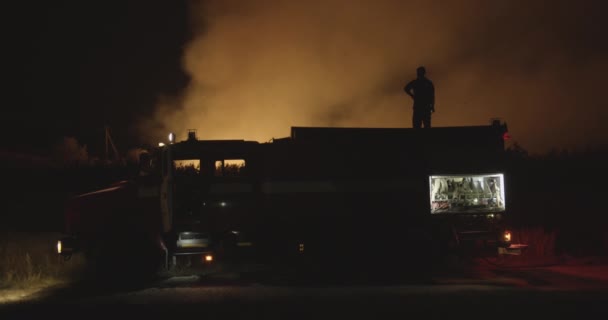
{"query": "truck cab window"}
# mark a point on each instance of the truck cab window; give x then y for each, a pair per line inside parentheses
(189, 167)
(230, 168)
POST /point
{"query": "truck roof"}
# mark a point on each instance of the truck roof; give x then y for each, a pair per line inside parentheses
(441, 139)
(438, 134)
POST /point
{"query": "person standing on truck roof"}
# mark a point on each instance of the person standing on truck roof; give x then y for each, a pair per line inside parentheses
(422, 91)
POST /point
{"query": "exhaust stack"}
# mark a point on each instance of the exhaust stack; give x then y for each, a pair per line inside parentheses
(191, 134)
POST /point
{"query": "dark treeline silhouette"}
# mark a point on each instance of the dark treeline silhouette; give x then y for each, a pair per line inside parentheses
(561, 191)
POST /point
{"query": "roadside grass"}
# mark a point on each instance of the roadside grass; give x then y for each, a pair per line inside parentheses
(543, 249)
(28, 263)
(540, 241)
(540, 249)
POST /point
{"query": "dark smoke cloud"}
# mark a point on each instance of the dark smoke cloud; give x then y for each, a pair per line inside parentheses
(260, 67)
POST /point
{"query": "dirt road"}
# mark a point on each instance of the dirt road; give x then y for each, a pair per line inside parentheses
(483, 291)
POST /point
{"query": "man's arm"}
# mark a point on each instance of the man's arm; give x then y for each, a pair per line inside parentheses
(432, 97)
(408, 89)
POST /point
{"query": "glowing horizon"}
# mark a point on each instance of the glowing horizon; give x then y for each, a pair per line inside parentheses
(259, 68)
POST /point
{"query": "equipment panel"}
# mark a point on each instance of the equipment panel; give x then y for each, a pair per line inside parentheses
(467, 193)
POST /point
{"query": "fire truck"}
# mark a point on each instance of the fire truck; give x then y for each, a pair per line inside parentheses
(326, 194)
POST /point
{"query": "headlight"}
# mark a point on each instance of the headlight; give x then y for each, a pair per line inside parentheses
(208, 258)
(66, 246)
(507, 236)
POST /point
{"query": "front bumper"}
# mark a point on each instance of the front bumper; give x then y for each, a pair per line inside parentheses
(513, 249)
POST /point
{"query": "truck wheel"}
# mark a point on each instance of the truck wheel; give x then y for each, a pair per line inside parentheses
(123, 260)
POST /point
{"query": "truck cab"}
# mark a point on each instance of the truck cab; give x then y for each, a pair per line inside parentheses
(324, 193)
(206, 195)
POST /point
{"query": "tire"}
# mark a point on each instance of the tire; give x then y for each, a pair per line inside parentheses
(117, 259)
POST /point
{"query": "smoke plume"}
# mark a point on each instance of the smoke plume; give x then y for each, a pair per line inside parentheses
(259, 67)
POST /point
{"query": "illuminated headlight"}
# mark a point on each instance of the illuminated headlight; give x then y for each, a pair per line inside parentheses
(208, 258)
(160, 144)
(66, 246)
(507, 236)
(171, 137)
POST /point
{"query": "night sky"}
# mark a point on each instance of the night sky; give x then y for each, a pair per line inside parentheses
(253, 69)
(77, 66)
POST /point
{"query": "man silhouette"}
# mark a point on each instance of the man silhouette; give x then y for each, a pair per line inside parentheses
(422, 91)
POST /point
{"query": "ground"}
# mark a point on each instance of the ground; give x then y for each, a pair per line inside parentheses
(570, 289)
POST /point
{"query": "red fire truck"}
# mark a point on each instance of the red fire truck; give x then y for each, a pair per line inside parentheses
(327, 194)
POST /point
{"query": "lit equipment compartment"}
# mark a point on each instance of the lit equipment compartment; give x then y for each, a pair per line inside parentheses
(467, 193)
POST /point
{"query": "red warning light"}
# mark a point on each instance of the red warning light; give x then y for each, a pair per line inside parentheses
(506, 136)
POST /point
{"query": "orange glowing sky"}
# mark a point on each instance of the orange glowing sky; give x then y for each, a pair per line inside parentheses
(259, 67)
